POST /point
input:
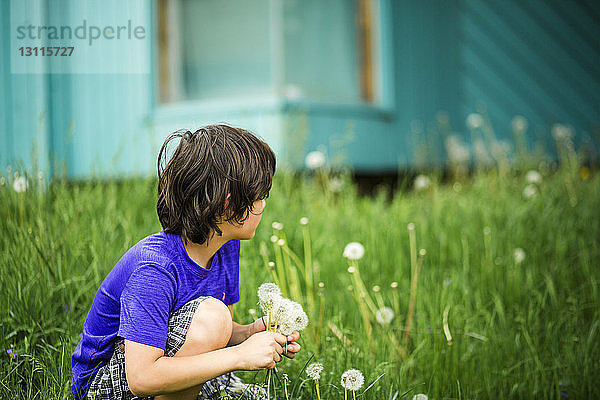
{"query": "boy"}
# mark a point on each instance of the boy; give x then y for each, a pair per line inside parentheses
(161, 322)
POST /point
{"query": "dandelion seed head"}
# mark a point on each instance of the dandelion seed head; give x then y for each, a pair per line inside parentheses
(376, 288)
(474, 121)
(278, 226)
(421, 182)
(20, 184)
(411, 226)
(519, 255)
(281, 242)
(303, 221)
(353, 379)
(420, 396)
(321, 285)
(561, 132)
(354, 251)
(336, 184)
(384, 315)
(533, 177)
(394, 285)
(314, 370)
(274, 239)
(314, 160)
(530, 191)
(351, 270)
(269, 296)
(290, 316)
(422, 252)
(519, 123)
(271, 264)
(457, 152)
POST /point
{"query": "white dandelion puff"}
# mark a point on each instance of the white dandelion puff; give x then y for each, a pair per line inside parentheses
(530, 191)
(458, 153)
(420, 396)
(519, 123)
(280, 242)
(314, 370)
(384, 315)
(314, 159)
(353, 379)
(422, 182)
(562, 132)
(336, 184)
(354, 251)
(274, 239)
(376, 288)
(269, 297)
(351, 270)
(303, 221)
(394, 285)
(278, 226)
(519, 255)
(533, 177)
(474, 121)
(20, 184)
(290, 317)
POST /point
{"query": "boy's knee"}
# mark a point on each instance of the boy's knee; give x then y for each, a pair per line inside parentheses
(211, 325)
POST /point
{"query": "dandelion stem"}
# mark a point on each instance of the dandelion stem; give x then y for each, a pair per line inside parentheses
(268, 384)
(317, 387)
(413, 296)
(345, 392)
(308, 272)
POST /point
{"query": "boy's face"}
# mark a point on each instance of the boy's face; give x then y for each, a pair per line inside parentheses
(248, 228)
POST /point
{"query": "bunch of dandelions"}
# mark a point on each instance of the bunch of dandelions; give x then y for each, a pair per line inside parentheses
(352, 380)
(314, 372)
(284, 315)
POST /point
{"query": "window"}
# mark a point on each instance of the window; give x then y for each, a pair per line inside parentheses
(296, 49)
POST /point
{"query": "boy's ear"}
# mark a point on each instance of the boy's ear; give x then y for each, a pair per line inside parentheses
(228, 212)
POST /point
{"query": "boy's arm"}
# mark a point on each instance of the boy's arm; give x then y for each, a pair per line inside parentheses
(239, 332)
(150, 373)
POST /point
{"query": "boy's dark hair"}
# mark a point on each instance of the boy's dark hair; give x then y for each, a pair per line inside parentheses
(208, 165)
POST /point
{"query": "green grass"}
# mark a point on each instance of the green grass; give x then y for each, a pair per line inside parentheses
(529, 330)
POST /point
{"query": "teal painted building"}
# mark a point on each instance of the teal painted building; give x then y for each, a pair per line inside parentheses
(377, 84)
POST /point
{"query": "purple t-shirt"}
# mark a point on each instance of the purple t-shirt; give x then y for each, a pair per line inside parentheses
(152, 280)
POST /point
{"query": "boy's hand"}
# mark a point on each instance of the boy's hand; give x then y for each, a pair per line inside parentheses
(261, 351)
(292, 346)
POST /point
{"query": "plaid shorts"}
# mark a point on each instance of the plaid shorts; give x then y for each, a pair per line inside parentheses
(110, 383)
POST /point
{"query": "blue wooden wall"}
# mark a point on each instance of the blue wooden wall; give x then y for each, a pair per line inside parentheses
(532, 58)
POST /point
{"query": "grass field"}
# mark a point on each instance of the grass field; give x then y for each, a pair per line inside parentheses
(485, 324)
